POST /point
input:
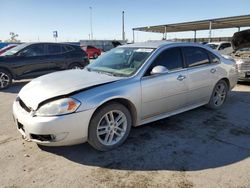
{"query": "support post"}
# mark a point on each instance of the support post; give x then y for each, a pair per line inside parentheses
(123, 31)
(194, 35)
(165, 33)
(210, 31)
(133, 36)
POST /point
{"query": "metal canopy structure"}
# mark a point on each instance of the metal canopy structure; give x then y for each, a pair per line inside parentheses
(217, 23)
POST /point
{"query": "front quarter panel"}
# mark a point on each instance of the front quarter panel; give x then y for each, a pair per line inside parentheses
(128, 89)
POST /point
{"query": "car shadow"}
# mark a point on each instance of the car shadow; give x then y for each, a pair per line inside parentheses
(195, 140)
(15, 87)
(243, 83)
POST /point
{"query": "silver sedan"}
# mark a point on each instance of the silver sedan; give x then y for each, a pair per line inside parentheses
(129, 86)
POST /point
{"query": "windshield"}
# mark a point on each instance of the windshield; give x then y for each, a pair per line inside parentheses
(14, 50)
(121, 61)
(213, 46)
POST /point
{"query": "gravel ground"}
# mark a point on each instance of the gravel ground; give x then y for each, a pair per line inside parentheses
(199, 148)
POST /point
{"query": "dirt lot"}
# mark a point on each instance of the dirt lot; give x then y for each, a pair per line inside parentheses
(199, 148)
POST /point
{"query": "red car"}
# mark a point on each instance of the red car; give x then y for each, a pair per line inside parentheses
(92, 51)
(4, 49)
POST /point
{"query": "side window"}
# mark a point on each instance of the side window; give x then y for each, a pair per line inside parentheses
(67, 48)
(54, 49)
(195, 56)
(34, 50)
(170, 58)
(225, 45)
(214, 58)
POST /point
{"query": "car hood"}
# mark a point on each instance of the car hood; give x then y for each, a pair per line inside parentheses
(241, 39)
(60, 84)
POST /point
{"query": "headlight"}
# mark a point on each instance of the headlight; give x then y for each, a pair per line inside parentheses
(239, 61)
(58, 107)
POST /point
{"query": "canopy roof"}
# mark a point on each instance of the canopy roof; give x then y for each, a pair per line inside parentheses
(218, 23)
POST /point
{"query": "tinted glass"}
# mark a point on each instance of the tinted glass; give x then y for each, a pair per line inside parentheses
(34, 50)
(195, 56)
(214, 58)
(120, 61)
(170, 58)
(91, 47)
(67, 48)
(54, 49)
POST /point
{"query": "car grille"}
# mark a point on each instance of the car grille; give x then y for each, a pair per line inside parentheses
(22, 104)
(244, 66)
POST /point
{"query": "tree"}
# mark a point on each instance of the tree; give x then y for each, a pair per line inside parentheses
(13, 37)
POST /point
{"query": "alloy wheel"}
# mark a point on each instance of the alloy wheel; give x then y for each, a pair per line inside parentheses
(220, 94)
(4, 80)
(112, 127)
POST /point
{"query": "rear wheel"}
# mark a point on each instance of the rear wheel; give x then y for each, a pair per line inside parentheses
(219, 95)
(75, 66)
(109, 127)
(5, 79)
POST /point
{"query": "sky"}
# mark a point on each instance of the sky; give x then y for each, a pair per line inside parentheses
(35, 20)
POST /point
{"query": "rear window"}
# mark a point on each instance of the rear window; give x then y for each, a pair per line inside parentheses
(54, 49)
(195, 56)
(67, 48)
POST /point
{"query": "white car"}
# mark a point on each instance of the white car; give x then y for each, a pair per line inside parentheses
(219, 45)
(128, 86)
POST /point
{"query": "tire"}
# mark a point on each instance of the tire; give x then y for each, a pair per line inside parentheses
(111, 135)
(95, 55)
(5, 79)
(75, 66)
(219, 95)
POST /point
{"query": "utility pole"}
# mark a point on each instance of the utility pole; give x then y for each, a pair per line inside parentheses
(91, 28)
(123, 32)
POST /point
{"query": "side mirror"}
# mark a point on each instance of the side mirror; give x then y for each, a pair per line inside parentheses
(158, 70)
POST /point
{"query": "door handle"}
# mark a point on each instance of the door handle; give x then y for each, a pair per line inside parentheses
(213, 70)
(181, 77)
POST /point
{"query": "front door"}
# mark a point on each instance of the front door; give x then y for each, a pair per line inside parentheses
(166, 92)
(30, 61)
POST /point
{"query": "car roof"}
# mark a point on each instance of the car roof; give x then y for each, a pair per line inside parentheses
(159, 44)
(151, 44)
(29, 43)
(221, 42)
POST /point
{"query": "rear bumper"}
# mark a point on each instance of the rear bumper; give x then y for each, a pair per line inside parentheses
(52, 131)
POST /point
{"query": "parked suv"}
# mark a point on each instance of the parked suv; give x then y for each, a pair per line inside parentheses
(30, 60)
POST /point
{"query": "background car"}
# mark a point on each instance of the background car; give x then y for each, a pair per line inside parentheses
(8, 47)
(241, 53)
(92, 51)
(219, 45)
(128, 86)
(30, 60)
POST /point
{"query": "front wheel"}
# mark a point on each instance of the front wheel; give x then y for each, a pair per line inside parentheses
(109, 127)
(5, 79)
(219, 95)
(75, 66)
(95, 56)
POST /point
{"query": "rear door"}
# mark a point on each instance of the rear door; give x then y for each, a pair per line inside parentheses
(166, 92)
(201, 74)
(56, 58)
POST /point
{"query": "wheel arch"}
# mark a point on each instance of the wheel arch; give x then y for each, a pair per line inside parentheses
(7, 69)
(127, 103)
(227, 81)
